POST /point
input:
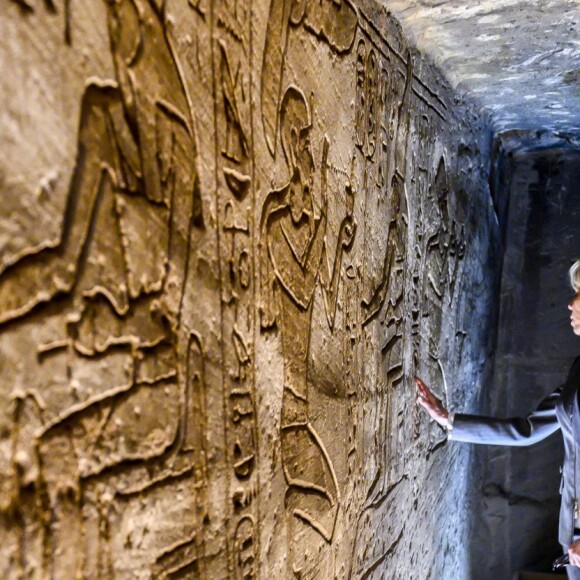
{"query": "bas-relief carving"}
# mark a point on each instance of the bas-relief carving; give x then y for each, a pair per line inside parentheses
(31, 6)
(358, 245)
(294, 257)
(333, 22)
(135, 172)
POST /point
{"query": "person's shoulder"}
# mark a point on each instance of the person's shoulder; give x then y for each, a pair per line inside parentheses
(575, 368)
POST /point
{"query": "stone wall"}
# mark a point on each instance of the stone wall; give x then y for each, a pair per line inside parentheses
(231, 234)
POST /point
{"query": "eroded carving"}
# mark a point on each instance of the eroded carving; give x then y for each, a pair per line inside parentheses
(236, 147)
(235, 235)
(370, 96)
(50, 6)
(334, 22)
(292, 255)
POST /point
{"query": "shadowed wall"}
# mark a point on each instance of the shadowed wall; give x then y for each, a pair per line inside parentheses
(518, 518)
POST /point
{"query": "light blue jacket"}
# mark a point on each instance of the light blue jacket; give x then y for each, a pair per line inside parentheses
(559, 410)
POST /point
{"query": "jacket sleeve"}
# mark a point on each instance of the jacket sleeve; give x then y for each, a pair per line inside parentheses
(517, 431)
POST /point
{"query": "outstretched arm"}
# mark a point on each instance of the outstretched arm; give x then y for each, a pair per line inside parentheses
(514, 431)
(274, 200)
(298, 279)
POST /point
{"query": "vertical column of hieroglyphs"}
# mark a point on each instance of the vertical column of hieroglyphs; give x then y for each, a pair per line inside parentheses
(235, 198)
(108, 458)
(439, 244)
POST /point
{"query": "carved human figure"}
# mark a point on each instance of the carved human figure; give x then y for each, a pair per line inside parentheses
(332, 21)
(135, 171)
(445, 249)
(292, 248)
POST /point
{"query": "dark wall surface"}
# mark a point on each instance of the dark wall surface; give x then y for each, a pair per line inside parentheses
(517, 526)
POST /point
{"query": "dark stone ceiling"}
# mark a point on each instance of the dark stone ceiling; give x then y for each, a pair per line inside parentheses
(519, 59)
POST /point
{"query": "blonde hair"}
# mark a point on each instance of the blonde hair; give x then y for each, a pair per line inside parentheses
(574, 274)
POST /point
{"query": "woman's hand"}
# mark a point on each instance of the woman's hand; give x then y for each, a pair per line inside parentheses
(574, 553)
(436, 410)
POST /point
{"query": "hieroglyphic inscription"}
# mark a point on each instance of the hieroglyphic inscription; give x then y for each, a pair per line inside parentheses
(444, 250)
(389, 95)
(235, 199)
(334, 22)
(30, 6)
(395, 304)
(371, 89)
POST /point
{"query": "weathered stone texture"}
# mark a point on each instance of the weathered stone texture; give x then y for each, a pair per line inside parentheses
(231, 234)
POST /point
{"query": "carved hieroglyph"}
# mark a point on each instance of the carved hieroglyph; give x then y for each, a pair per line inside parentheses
(232, 233)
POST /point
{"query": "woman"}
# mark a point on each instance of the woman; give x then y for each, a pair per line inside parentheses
(559, 410)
